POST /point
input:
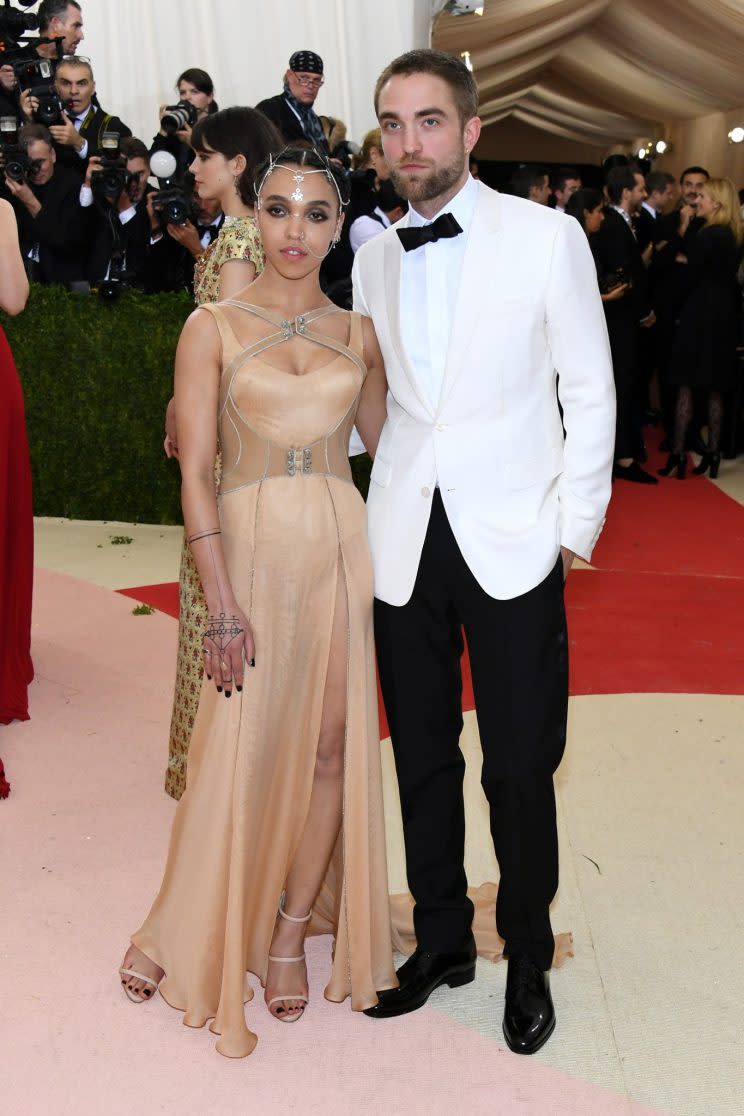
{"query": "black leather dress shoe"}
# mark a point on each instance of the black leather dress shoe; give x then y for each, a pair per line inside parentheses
(529, 1017)
(420, 975)
(633, 472)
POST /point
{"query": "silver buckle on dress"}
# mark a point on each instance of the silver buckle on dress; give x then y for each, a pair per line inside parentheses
(299, 459)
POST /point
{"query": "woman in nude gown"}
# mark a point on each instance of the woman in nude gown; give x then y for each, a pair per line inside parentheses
(280, 831)
(228, 147)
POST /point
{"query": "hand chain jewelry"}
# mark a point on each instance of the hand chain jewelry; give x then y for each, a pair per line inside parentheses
(222, 630)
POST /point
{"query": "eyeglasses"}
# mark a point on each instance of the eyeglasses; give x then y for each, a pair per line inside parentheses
(76, 58)
(310, 82)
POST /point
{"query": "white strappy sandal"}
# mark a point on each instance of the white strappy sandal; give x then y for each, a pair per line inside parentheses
(133, 996)
(297, 1013)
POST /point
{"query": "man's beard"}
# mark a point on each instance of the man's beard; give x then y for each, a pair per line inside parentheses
(426, 185)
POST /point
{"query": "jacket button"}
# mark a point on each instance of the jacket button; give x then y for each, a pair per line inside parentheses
(440, 426)
(426, 492)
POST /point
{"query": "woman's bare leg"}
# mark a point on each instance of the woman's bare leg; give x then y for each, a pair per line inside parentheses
(321, 825)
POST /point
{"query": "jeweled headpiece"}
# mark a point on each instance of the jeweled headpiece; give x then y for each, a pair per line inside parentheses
(298, 175)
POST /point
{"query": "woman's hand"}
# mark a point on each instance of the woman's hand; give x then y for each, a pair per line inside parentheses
(170, 444)
(616, 293)
(228, 645)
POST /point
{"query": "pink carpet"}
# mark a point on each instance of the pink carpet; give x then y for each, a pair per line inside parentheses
(82, 843)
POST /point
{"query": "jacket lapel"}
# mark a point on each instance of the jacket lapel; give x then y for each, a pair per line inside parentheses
(391, 279)
(477, 264)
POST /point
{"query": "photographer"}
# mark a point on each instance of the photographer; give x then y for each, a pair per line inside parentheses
(78, 132)
(195, 101)
(175, 249)
(60, 21)
(53, 228)
(120, 222)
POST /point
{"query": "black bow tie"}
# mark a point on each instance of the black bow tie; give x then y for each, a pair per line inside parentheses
(211, 230)
(443, 228)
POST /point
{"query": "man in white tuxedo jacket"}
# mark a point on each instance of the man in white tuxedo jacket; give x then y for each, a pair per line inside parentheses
(477, 506)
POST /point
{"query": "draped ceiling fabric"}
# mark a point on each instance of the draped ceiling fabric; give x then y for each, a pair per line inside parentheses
(603, 74)
(139, 47)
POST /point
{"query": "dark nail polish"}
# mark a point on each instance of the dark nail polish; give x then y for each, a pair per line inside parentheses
(227, 693)
(209, 676)
(147, 991)
(239, 689)
(219, 689)
(252, 663)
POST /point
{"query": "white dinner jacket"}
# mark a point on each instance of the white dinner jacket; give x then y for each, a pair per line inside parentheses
(514, 490)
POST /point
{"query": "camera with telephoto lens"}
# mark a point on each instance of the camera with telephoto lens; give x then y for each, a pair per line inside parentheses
(14, 158)
(174, 201)
(177, 117)
(36, 76)
(111, 178)
(18, 166)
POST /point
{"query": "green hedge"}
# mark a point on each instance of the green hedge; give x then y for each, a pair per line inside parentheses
(96, 379)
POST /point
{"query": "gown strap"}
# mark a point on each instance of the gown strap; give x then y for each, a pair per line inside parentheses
(338, 347)
(356, 333)
(260, 311)
(226, 331)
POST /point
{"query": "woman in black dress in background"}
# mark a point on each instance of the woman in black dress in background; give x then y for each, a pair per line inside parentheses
(704, 352)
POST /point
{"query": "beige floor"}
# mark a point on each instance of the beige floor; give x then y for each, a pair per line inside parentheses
(652, 874)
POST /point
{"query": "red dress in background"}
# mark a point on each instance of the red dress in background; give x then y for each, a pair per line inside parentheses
(16, 545)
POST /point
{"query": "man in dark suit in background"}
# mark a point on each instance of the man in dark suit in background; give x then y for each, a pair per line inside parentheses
(620, 261)
(52, 226)
(292, 111)
(669, 276)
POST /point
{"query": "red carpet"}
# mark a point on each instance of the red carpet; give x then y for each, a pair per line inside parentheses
(675, 527)
(663, 611)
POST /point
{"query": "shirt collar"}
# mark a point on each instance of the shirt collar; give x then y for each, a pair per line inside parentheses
(462, 207)
(624, 214)
(650, 209)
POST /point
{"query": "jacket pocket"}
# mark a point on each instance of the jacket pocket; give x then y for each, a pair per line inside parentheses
(382, 471)
(539, 468)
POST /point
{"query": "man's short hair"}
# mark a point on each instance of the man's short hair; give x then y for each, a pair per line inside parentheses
(133, 148)
(76, 63)
(442, 65)
(619, 179)
(31, 132)
(54, 9)
(657, 181)
(692, 170)
(559, 178)
(525, 177)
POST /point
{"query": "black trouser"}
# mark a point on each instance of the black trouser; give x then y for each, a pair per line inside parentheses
(519, 661)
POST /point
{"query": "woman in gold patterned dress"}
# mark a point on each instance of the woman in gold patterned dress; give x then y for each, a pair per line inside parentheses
(229, 145)
(281, 827)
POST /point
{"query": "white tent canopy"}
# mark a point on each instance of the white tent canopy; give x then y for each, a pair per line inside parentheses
(139, 47)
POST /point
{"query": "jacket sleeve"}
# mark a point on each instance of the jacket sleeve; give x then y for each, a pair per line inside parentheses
(577, 335)
(62, 223)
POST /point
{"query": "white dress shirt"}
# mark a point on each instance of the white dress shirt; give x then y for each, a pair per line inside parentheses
(365, 227)
(430, 276)
(650, 209)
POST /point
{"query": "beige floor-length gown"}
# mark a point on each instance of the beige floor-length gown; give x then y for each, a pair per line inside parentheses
(292, 524)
